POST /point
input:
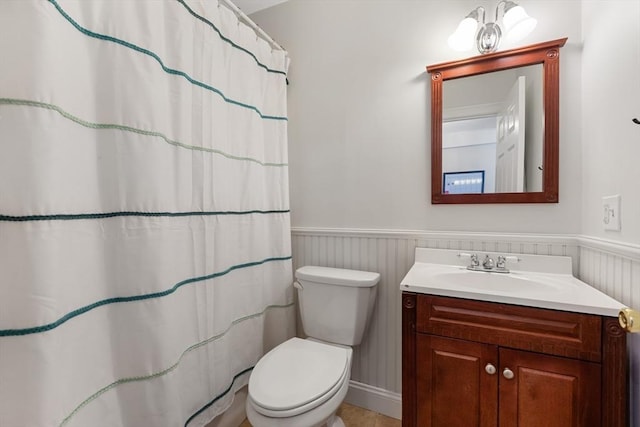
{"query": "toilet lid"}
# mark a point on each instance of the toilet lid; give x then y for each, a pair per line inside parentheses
(295, 373)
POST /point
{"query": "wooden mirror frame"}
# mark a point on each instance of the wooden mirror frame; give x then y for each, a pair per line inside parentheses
(547, 54)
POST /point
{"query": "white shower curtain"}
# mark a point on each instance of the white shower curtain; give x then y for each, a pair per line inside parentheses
(144, 213)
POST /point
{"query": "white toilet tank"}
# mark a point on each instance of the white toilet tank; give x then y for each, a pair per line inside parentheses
(335, 303)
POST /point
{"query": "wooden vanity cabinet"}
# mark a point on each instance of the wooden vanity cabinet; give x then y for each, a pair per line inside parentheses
(470, 363)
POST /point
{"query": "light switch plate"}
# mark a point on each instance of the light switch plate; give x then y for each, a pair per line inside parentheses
(611, 213)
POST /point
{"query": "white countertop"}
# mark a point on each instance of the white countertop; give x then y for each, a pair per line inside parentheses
(535, 281)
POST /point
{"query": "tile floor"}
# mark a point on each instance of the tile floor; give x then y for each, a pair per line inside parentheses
(354, 416)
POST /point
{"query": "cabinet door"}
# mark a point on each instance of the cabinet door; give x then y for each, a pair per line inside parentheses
(453, 387)
(549, 391)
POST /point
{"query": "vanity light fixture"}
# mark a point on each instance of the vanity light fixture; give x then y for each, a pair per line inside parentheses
(515, 22)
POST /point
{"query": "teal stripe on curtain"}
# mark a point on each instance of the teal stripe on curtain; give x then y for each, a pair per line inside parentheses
(101, 215)
(124, 128)
(218, 397)
(228, 40)
(168, 70)
(116, 300)
(173, 367)
(144, 219)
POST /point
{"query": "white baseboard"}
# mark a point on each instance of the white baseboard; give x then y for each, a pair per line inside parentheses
(375, 399)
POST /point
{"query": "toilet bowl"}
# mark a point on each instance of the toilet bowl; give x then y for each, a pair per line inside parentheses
(302, 382)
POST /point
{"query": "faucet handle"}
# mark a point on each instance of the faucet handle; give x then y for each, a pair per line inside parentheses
(500, 263)
(502, 260)
(474, 260)
(472, 257)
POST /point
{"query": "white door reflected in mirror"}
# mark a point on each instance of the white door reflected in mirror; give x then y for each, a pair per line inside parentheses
(510, 131)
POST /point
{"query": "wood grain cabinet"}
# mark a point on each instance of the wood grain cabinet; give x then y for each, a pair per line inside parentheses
(470, 363)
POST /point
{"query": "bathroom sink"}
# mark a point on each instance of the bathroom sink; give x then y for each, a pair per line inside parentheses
(513, 283)
(534, 280)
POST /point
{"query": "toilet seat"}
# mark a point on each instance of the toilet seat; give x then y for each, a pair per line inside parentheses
(297, 376)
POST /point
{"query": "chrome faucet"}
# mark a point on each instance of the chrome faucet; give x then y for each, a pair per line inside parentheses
(488, 263)
(474, 262)
(501, 262)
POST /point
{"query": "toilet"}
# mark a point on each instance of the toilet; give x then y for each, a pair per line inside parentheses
(302, 382)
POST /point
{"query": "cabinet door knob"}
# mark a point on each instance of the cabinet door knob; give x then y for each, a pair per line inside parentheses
(490, 369)
(508, 373)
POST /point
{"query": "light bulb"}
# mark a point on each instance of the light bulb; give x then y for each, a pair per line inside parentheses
(517, 24)
(463, 38)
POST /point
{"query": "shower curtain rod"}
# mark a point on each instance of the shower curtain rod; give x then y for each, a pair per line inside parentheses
(244, 18)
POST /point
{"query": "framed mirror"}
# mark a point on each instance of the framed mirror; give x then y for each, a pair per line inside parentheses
(494, 127)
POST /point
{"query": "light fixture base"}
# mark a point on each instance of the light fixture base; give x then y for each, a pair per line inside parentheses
(488, 38)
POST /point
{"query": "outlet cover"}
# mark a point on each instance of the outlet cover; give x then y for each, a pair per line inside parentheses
(611, 213)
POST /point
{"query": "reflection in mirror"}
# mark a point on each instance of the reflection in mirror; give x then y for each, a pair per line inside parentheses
(494, 123)
(494, 127)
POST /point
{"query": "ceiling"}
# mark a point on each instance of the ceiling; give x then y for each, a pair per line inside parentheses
(251, 6)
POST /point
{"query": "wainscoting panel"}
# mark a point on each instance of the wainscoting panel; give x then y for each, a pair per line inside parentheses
(377, 362)
(614, 269)
(611, 267)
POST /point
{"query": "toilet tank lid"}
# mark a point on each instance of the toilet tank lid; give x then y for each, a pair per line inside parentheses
(337, 276)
